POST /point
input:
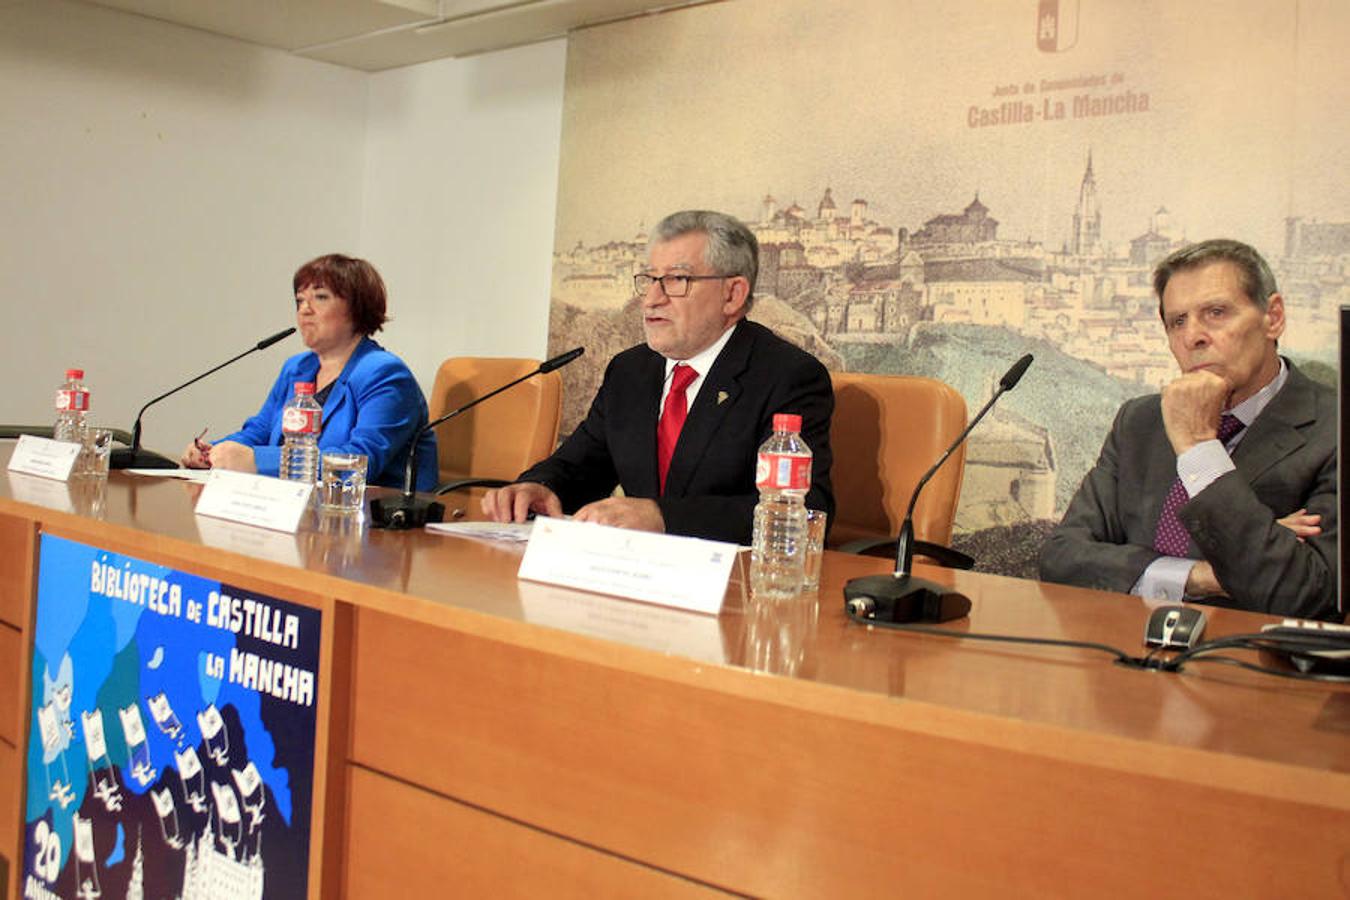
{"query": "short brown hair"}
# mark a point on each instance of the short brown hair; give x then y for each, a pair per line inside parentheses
(352, 279)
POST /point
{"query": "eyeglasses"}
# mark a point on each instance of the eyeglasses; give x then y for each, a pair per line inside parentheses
(672, 285)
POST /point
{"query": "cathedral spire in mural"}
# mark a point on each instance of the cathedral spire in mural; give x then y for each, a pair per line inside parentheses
(1087, 217)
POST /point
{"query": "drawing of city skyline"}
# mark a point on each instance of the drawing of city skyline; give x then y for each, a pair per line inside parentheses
(923, 210)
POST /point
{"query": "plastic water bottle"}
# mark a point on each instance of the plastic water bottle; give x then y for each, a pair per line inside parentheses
(783, 476)
(300, 425)
(72, 407)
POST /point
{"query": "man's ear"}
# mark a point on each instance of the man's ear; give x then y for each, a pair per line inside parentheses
(738, 292)
(1274, 317)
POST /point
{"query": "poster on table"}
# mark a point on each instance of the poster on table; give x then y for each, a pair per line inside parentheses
(171, 743)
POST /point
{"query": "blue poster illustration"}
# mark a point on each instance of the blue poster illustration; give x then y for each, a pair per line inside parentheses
(171, 748)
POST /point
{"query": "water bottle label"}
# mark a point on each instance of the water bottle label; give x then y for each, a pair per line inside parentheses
(783, 472)
(300, 421)
(75, 401)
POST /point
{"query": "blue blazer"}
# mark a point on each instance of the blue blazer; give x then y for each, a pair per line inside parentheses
(375, 408)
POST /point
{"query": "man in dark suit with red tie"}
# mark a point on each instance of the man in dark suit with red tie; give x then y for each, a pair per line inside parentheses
(1223, 488)
(678, 420)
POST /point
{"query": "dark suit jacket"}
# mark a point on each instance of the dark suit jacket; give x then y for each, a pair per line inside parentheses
(1287, 460)
(710, 488)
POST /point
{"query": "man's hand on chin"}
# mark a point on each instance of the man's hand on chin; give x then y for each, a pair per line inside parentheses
(1202, 581)
(1191, 406)
(624, 512)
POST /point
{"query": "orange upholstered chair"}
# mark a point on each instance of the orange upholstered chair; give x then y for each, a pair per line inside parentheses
(503, 436)
(887, 431)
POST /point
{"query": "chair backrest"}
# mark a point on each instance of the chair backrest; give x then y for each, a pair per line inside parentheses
(886, 432)
(501, 437)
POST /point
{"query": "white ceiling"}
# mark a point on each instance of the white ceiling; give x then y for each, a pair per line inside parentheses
(384, 34)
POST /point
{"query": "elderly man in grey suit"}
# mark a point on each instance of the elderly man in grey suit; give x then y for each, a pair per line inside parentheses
(1222, 489)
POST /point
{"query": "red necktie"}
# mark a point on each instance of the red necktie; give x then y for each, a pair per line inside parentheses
(1171, 537)
(673, 414)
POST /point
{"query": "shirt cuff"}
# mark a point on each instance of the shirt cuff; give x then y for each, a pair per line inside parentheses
(1164, 579)
(1201, 466)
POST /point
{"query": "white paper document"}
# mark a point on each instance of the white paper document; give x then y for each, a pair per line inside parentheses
(510, 532)
(198, 475)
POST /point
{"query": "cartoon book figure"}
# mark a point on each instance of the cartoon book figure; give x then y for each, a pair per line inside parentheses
(134, 729)
(104, 772)
(231, 822)
(168, 818)
(194, 780)
(251, 792)
(164, 716)
(86, 869)
(214, 733)
(59, 787)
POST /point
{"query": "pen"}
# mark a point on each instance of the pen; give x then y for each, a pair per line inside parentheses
(203, 448)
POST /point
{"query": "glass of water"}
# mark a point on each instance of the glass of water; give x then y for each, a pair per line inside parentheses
(95, 451)
(815, 548)
(342, 486)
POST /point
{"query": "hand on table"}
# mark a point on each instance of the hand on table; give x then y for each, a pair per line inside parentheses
(515, 502)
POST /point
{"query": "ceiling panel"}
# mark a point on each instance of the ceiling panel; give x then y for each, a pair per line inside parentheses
(283, 24)
(381, 34)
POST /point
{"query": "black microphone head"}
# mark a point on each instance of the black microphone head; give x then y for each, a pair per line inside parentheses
(561, 360)
(1019, 368)
(280, 335)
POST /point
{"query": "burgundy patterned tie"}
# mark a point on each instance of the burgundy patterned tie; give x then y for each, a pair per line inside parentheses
(673, 414)
(1171, 537)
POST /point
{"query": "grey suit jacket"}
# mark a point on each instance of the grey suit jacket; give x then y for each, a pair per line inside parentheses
(1286, 461)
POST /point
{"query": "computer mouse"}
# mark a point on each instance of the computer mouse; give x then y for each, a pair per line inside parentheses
(1177, 627)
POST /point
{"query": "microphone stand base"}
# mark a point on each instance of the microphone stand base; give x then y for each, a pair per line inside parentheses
(902, 599)
(138, 458)
(404, 512)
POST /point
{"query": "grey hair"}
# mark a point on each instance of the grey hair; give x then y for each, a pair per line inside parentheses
(732, 248)
(1253, 271)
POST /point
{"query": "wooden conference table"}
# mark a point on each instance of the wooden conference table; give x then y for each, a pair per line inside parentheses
(486, 735)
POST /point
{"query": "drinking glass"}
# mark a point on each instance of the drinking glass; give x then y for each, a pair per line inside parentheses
(342, 486)
(815, 548)
(95, 450)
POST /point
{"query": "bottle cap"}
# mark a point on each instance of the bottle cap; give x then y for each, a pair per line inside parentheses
(787, 422)
(76, 374)
(304, 387)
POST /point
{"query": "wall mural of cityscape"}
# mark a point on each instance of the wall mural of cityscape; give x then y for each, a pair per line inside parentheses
(903, 231)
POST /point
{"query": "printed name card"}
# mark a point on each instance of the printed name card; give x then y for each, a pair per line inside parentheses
(683, 572)
(44, 457)
(254, 500)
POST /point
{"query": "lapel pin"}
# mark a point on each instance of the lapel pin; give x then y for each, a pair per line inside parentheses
(721, 397)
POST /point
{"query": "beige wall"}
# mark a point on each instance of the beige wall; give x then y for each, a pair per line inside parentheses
(162, 184)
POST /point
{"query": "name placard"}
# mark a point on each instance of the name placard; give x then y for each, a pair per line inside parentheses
(254, 500)
(683, 572)
(44, 457)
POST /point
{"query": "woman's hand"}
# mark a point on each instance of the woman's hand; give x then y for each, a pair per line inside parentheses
(233, 456)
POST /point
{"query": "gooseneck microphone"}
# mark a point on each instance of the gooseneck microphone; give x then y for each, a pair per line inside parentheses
(134, 457)
(407, 511)
(900, 597)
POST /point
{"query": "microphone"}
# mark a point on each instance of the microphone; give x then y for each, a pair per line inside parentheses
(406, 511)
(900, 597)
(134, 457)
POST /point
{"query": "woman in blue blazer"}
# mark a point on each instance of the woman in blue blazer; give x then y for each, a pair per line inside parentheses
(371, 402)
